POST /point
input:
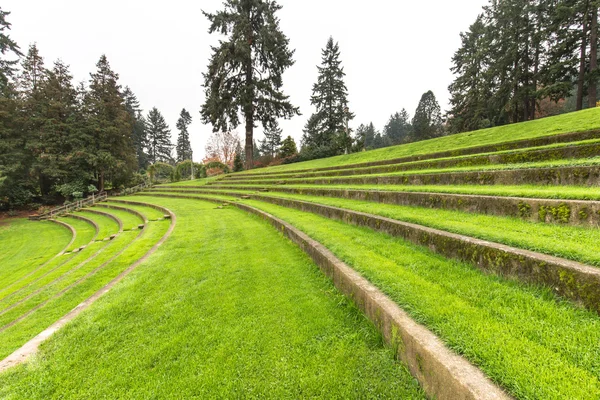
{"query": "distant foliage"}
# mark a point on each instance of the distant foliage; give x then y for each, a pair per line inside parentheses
(270, 144)
(238, 164)
(184, 147)
(325, 131)
(245, 72)
(222, 146)
(159, 138)
(56, 138)
(288, 148)
(518, 56)
(427, 122)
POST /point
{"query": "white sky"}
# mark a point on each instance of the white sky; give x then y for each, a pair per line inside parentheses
(392, 51)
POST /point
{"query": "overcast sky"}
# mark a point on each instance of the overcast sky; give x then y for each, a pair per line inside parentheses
(392, 51)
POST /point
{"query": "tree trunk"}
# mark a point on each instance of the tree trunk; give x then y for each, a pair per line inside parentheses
(593, 85)
(101, 182)
(581, 77)
(249, 108)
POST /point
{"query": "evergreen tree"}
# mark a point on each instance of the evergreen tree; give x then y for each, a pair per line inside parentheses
(7, 46)
(110, 126)
(470, 91)
(325, 132)
(272, 141)
(238, 164)
(427, 122)
(245, 72)
(398, 129)
(184, 147)
(138, 133)
(61, 163)
(288, 148)
(159, 138)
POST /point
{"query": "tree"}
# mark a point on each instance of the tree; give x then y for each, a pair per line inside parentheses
(272, 141)
(238, 164)
(398, 129)
(221, 146)
(138, 133)
(109, 123)
(159, 137)
(184, 147)
(427, 122)
(288, 148)
(326, 130)
(245, 72)
(7, 46)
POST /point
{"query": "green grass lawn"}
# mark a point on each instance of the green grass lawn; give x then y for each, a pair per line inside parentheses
(523, 337)
(26, 245)
(529, 191)
(573, 122)
(129, 220)
(216, 313)
(151, 214)
(85, 232)
(107, 225)
(33, 305)
(571, 242)
(270, 179)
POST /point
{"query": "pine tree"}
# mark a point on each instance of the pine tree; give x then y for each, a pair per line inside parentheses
(159, 138)
(270, 144)
(61, 160)
(110, 126)
(288, 148)
(184, 147)
(325, 133)
(7, 46)
(427, 122)
(245, 72)
(238, 164)
(398, 129)
(471, 91)
(138, 133)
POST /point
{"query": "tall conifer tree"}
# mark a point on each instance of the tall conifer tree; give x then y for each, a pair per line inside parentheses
(427, 122)
(272, 141)
(245, 72)
(325, 132)
(184, 147)
(159, 138)
(110, 127)
(138, 132)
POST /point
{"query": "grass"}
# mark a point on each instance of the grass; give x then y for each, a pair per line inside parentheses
(243, 319)
(595, 161)
(571, 242)
(34, 305)
(107, 225)
(573, 122)
(529, 191)
(526, 155)
(85, 232)
(151, 214)
(26, 245)
(524, 338)
(129, 220)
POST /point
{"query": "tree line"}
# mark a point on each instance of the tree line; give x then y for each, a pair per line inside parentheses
(60, 140)
(520, 58)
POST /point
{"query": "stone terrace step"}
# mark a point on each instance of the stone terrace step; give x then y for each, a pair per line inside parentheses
(519, 144)
(574, 175)
(568, 152)
(571, 212)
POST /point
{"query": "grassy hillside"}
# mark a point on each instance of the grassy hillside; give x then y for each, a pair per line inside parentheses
(567, 123)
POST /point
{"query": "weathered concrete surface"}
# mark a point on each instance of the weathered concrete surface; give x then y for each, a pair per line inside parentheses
(518, 144)
(569, 152)
(577, 176)
(30, 348)
(442, 374)
(568, 212)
